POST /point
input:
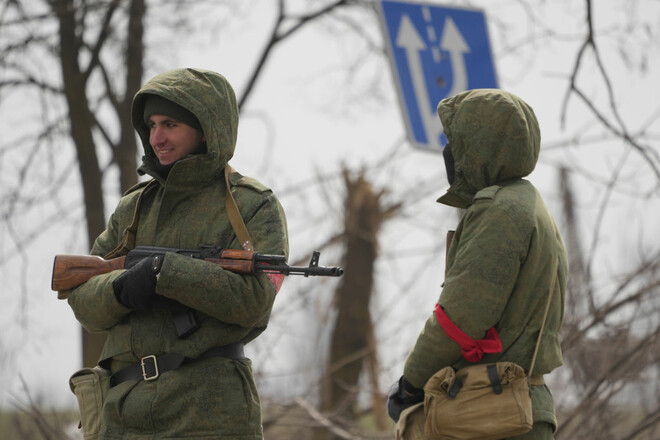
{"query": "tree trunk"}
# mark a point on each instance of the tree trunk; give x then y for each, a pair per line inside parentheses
(81, 134)
(125, 153)
(352, 343)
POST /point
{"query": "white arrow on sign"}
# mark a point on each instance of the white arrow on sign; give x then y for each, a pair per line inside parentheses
(408, 38)
(453, 42)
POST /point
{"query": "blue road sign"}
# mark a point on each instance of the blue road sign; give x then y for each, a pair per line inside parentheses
(436, 52)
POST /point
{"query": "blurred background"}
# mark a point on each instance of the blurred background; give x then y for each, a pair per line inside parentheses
(322, 126)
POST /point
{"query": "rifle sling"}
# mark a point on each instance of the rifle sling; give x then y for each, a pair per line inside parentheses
(234, 215)
(238, 225)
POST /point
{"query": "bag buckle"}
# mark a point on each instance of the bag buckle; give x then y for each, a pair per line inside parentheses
(494, 378)
(455, 388)
(149, 369)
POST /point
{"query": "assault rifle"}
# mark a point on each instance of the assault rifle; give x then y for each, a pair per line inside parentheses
(70, 271)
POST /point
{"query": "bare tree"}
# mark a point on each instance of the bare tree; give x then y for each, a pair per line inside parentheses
(611, 333)
(353, 342)
(610, 337)
(610, 340)
(79, 36)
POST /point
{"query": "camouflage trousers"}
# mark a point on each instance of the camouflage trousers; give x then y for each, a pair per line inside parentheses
(411, 427)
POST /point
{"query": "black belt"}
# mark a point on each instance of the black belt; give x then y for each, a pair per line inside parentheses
(152, 366)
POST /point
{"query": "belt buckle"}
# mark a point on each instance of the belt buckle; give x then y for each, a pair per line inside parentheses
(143, 364)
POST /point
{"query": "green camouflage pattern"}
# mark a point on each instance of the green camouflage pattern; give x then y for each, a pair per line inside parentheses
(506, 250)
(216, 397)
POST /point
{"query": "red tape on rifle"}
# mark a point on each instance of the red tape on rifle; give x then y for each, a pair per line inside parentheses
(471, 350)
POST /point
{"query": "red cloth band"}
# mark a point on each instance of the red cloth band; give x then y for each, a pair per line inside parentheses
(471, 350)
(276, 279)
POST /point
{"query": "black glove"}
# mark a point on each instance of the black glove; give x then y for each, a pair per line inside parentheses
(402, 395)
(136, 288)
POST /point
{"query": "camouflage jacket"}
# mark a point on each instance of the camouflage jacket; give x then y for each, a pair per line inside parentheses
(216, 397)
(506, 250)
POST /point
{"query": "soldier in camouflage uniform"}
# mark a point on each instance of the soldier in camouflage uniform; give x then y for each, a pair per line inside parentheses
(187, 120)
(504, 254)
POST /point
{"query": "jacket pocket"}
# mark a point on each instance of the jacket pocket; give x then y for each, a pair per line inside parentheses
(91, 386)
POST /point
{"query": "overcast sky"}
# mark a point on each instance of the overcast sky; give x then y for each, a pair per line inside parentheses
(325, 100)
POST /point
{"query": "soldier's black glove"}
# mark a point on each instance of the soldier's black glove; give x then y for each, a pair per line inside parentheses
(136, 288)
(402, 395)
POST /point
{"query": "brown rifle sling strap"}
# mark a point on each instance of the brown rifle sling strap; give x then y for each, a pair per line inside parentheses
(234, 215)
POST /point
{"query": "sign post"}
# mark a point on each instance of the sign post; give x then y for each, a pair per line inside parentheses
(435, 52)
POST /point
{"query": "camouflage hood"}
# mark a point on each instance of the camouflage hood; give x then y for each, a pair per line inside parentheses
(494, 137)
(210, 97)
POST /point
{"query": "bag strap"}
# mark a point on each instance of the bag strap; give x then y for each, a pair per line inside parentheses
(234, 215)
(545, 316)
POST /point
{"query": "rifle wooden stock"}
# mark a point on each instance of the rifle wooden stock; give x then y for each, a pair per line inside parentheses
(71, 271)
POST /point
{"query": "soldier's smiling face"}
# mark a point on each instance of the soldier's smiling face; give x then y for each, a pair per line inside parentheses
(172, 140)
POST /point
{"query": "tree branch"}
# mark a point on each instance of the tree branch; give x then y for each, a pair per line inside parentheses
(276, 37)
(622, 131)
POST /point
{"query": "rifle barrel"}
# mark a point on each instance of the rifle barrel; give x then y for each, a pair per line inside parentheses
(321, 271)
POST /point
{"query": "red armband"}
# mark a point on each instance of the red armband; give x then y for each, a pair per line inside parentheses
(277, 279)
(471, 350)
